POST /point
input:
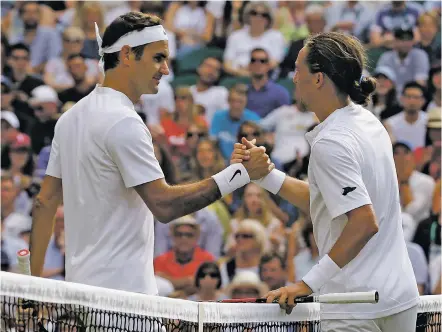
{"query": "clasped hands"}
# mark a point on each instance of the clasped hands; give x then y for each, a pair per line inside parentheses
(254, 158)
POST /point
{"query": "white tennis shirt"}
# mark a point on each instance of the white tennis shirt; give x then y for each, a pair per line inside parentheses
(351, 165)
(101, 150)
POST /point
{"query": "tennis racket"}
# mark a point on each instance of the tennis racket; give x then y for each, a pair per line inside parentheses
(24, 261)
(335, 298)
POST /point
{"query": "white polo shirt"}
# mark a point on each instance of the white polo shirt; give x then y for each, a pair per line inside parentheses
(351, 165)
(101, 150)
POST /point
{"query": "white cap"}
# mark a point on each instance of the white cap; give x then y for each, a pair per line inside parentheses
(11, 118)
(185, 220)
(386, 71)
(43, 94)
(248, 279)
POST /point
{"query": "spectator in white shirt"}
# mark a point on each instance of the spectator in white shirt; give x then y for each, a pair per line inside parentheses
(410, 125)
(257, 33)
(205, 92)
(415, 188)
(420, 266)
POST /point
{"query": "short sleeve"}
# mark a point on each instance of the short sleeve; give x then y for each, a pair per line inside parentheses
(337, 173)
(54, 165)
(129, 144)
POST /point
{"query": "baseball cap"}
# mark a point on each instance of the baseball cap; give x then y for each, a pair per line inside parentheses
(10, 118)
(43, 94)
(21, 141)
(434, 118)
(386, 71)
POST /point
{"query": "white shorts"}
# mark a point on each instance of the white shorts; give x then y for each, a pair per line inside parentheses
(404, 321)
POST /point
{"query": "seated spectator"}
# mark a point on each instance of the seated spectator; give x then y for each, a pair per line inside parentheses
(315, 20)
(44, 42)
(88, 13)
(407, 62)
(246, 284)
(409, 126)
(180, 264)
(397, 15)
(384, 100)
(154, 106)
(435, 88)
(351, 17)
(208, 283)
(192, 24)
(415, 188)
(54, 260)
(429, 27)
(251, 243)
(45, 103)
(290, 20)
(166, 163)
(226, 123)
(257, 33)
(83, 84)
(308, 257)
(56, 74)
(264, 95)
(206, 92)
(176, 125)
(289, 125)
(9, 130)
(273, 271)
(209, 239)
(256, 205)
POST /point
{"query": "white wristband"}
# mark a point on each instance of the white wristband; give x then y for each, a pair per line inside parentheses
(233, 177)
(321, 273)
(272, 182)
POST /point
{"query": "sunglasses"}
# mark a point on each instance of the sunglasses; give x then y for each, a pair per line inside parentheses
(210, 274)
(244, 236)
(262, 14)
(193, 134)
(67, 40)
(255, 134)
(184, 234)
(253, 60)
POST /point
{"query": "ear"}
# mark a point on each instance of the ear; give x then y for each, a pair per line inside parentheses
(125, 55)
(319, 79)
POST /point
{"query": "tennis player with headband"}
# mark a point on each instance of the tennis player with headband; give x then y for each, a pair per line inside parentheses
(352, 194)
(102, 165)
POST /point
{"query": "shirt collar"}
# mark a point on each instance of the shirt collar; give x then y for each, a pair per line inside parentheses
(310, 136)
(99, 89)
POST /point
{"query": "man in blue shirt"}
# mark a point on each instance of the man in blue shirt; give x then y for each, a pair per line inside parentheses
(226, 123)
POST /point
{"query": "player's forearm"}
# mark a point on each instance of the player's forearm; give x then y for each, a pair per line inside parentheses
(42, 226)
(359, 230)
(185, 199)
(296, 192)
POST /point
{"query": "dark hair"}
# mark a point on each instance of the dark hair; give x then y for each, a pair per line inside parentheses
(24, 4)
(308, 229)
(414, 85)
(119, 27)
(206, 266)
(342, 58)
(76, 55)
(239, 88)
(401, 145)
(250, 124)
(19, 46)
(259, 49)
(269, 257)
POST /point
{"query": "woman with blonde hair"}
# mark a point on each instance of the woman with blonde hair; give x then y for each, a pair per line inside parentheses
(255, 205)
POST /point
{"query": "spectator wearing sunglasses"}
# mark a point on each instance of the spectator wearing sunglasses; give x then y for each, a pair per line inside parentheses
(56, 72)
(264, 95)
(226, 123)
(179, 265)
(257, 33)
(208, 283)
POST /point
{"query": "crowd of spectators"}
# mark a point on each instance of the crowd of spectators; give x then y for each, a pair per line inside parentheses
(232, 64)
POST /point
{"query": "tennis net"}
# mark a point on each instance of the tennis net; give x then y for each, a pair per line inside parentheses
(43, 305)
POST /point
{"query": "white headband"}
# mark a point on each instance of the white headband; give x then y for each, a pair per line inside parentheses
(134, 38)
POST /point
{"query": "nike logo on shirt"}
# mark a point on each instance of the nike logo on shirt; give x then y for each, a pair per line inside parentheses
(347, 190)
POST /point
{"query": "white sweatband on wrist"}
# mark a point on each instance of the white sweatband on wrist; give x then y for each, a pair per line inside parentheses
(272, 182)
(233, 177)
(321, 273)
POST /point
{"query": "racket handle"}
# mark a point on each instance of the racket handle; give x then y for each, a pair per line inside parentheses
(302, 299)
(24, 261)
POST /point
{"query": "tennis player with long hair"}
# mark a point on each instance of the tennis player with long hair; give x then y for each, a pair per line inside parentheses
(351, 196)
(102, 164)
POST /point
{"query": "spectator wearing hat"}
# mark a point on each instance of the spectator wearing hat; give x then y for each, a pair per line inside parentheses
(397, 15)
(409, 126)
(179, 265)
(246, 284)
(10, 127)
(45, 103)
(429, 26)
(384, 101)
(408, 63)
(83, 84)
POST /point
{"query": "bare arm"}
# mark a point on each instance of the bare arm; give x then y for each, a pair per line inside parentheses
(43, 213)
(360, 228)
